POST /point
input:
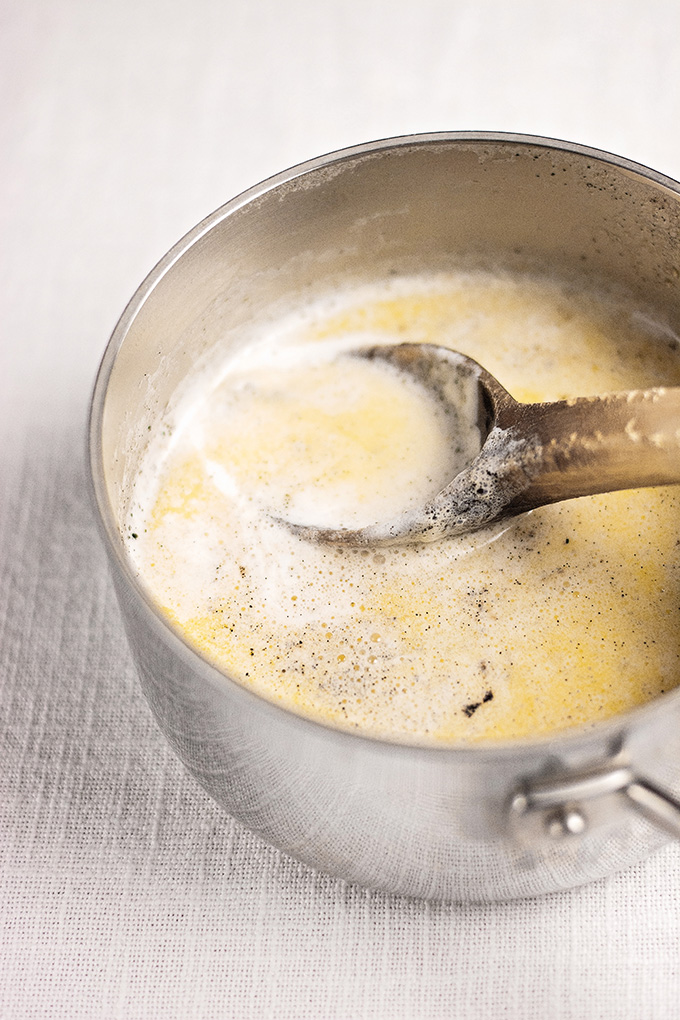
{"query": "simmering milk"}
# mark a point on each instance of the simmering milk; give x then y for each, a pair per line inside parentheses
(555, 619)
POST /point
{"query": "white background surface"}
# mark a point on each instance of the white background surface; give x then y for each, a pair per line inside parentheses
(124, 891)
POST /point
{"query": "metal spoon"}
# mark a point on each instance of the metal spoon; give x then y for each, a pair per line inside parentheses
(529, 454)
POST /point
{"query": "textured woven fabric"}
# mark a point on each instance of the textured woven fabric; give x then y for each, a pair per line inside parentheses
(125, 892)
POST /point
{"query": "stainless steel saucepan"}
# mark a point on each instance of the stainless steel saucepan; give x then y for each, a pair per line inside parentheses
(462, 823)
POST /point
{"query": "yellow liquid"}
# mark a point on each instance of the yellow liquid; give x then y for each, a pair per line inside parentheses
(560, 618)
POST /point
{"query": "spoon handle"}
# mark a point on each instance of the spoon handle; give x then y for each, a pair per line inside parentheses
(600, 444)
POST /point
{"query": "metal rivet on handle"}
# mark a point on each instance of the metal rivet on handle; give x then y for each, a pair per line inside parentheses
(566, 822)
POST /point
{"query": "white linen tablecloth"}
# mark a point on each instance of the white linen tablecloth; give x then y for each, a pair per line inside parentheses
(125, 892)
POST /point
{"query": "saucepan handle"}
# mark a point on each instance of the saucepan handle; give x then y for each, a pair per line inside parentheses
(570, 805)
(656, 805)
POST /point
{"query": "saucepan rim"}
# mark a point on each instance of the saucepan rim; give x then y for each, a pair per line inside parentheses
(607, 732)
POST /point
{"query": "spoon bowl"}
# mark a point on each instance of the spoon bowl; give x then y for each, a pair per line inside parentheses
(530, 455)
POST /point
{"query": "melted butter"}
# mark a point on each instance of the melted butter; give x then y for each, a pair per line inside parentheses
(563, 617)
